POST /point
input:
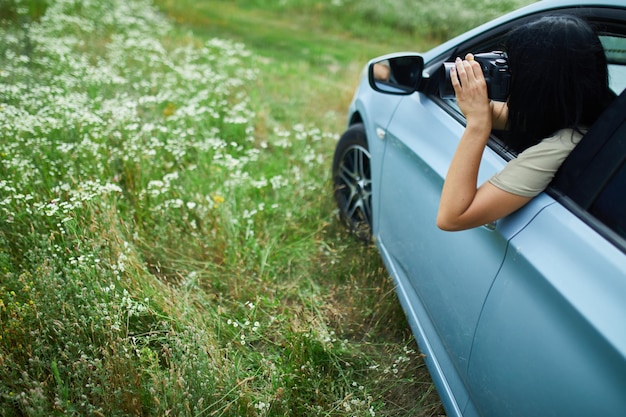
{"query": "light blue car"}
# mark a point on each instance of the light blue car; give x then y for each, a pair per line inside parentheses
(522, 317)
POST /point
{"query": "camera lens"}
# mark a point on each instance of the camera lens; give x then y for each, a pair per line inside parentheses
(445, 83)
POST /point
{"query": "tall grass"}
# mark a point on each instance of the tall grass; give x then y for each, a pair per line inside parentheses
(161, 252)
(168, 243)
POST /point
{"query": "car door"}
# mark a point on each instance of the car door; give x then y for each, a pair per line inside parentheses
(451, 273)
(552, 337)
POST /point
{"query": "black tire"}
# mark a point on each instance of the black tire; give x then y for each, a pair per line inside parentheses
(352, 180)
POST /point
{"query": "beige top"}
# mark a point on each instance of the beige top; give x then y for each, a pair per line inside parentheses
(533, 169)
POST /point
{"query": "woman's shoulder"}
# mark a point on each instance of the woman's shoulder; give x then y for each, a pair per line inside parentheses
(563, 140)
(533, 169)
(567, 137)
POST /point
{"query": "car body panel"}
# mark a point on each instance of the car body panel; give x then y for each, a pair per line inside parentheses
(450, 387)
(556, 311)
(423, 155)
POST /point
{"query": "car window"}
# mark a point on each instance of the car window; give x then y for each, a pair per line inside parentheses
(615, 49)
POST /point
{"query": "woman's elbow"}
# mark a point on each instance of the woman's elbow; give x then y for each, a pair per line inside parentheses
(447, 224)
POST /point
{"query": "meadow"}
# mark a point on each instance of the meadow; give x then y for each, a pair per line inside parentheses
(168, 240)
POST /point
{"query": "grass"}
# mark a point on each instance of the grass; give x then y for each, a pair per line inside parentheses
(168, 240)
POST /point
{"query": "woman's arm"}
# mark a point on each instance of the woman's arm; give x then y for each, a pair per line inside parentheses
(462, 205)
(499, 114)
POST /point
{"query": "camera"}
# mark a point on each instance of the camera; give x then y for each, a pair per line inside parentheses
(495, 68)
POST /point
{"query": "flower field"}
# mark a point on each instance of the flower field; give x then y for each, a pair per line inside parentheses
(166, 251)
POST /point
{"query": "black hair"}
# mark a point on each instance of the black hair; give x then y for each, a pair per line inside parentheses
(559, 79)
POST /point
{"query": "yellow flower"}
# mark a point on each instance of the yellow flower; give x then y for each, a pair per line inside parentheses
(217, 200)
(169, 110)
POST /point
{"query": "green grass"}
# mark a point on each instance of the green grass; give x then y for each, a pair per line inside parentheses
(168, 239)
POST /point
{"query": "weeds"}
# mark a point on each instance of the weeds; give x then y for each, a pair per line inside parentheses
(168, 244)
(163, 252)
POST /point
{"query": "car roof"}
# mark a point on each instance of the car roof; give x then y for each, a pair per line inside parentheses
(540, 6)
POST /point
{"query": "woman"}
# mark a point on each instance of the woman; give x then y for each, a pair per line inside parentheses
(559, 87)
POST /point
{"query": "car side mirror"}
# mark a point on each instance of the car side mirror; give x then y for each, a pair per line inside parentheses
(396, 75)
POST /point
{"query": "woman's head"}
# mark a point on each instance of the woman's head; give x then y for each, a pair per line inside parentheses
(559, 78)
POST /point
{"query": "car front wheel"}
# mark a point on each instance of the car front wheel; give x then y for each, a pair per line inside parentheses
(352, 181)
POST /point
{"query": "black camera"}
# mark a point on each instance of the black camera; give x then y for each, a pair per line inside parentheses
(496, 70)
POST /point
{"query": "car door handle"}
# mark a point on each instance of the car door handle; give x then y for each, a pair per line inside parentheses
(491, 226)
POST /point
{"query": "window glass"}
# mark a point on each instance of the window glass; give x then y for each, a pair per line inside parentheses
(615, 50)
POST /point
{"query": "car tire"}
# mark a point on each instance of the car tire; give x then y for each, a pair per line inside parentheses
(352, 181)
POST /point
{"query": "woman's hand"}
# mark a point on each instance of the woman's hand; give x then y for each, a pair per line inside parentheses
(470, 88)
